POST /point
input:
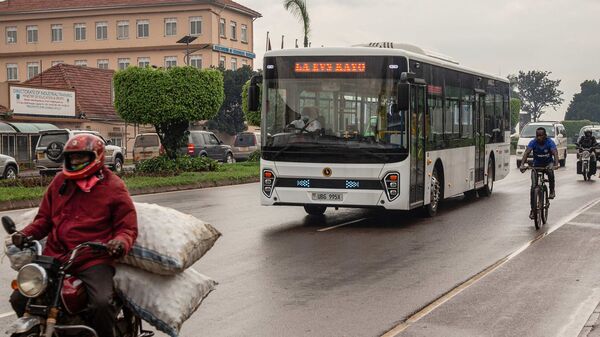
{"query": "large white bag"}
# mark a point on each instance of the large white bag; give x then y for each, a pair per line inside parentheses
(18, 258)
(168, 241)
(165, 301)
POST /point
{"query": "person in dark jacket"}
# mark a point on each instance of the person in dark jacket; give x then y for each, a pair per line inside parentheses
(85, 202)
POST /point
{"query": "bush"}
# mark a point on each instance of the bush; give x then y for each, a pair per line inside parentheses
(573, 127)
(41, 181)
(164, 166)
(254, 156)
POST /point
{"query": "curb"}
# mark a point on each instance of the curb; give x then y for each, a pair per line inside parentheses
(592, 327)
(21, 204)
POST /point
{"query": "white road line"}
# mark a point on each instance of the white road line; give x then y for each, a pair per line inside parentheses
(585, 224)
(452, 293)
(341, 225)
(6, 314)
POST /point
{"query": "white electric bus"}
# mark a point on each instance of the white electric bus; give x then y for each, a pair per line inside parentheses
(378, 125)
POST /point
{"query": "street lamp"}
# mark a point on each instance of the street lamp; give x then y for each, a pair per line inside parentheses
(187, 40)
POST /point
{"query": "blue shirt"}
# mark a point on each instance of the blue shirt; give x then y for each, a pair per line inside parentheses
(542, 154)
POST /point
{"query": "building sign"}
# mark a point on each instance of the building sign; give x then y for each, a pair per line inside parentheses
(39, 101)
(233, 51)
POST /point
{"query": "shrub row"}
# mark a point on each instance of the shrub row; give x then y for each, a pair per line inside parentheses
(164, 166)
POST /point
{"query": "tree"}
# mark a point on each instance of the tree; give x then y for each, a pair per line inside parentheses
(168, 99)
(586, 104)
(299, 10)
(538, 92)
(515, 110)
(230, 118)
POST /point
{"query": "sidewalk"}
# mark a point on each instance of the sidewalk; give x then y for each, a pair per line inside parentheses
(592, 327)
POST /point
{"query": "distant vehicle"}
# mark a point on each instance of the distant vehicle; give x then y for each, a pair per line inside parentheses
(114, 154)
(595, 131)
(8, 167)
(147, 146)
(206, 144)
(245, 144)
(555, 131)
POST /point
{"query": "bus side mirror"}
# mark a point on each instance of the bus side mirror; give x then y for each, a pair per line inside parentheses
(254, 93)
(403, 99)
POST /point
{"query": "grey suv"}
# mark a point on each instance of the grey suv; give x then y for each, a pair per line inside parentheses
(8, 167)
(114, 154)
(206, 144)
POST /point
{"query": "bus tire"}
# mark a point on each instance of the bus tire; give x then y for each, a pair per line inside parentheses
(487, 190)
(436, 193)
(315, 210)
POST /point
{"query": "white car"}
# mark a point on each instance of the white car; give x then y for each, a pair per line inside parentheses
(8, 167)
(555, 131)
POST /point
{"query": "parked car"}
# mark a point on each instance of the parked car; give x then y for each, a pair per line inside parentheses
(8, 167)
(555, 131)
(114, 154)
(147, 146)
(206, 144)
(245, 144)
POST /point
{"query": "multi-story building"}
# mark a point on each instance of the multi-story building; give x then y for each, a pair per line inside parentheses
(113, 34)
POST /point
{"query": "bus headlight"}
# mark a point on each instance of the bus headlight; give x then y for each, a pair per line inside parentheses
(391, 182)
(268, 182)
(32, 280)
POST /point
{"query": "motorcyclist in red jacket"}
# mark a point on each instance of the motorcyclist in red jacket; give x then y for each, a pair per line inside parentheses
(85, 202)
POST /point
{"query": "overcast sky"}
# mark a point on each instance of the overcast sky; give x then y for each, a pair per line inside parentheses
(499, 37)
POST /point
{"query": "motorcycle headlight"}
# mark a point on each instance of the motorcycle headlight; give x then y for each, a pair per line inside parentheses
(585, 155)
(32, 280)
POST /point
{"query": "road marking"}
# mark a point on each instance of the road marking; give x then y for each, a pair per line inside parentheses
(341, 225)
(6, 314)
(585, 224)
(395, 331)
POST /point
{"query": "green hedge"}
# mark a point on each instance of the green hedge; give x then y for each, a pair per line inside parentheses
(573, 127)
(164, 166)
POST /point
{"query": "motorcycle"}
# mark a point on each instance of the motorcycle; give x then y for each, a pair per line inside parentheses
(586, 164)
(57, 304)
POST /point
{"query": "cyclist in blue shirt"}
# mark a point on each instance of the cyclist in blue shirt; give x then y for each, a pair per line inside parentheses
(544, 155)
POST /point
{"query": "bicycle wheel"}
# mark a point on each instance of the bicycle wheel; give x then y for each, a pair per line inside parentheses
(545, 205)
(537, 216)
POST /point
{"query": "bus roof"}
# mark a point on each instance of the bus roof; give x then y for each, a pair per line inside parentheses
(384, 49)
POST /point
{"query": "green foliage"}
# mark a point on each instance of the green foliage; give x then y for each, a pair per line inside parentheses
(300, 11)
(515, 109)
(586, 104)
(230, 118)
(168, 99)
(162, 165)
(254, 156)
(252, 117)
(572, 127)
(537, 92)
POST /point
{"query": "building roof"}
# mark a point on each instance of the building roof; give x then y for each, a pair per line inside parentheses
(93, 88)
(28, 6)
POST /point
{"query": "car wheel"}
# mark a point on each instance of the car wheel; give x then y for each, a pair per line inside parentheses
(315, 210)
(118, 165)
(519, 164)
(10, 172)
(563, 161)
(229, 159)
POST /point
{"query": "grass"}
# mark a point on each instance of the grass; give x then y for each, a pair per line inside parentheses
(227, 174)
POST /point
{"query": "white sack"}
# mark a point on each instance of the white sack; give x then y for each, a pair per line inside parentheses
(165, 301)
(18, 258)
(168, 241)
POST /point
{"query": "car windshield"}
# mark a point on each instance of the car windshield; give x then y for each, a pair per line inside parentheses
(146, 141)
(46, 139)
(595, 133)
(245, 139)
(529, 130)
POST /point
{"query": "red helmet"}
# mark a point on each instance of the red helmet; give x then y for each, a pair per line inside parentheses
(88, 144)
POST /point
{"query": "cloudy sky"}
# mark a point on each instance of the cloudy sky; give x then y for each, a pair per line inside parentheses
(499, 37)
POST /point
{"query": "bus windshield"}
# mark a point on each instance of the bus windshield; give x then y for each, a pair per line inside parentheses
(353, 118)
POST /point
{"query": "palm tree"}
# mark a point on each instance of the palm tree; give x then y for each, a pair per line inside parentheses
(299, 10)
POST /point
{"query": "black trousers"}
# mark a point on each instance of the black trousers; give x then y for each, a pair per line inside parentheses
(99, 285)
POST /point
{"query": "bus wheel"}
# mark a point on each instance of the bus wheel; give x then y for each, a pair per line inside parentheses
(435, 194)
(315, 210)
(486, 191)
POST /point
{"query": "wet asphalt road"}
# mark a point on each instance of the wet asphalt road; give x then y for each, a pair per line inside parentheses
(280, 276)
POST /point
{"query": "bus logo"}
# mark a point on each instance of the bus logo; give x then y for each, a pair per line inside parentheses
(327, 172)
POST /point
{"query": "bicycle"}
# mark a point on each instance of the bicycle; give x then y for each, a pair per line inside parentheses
(539, 195)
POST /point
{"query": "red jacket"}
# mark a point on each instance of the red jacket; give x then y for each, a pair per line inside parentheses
(75, 217)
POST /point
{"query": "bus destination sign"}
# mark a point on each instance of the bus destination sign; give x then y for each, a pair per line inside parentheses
(330, 67)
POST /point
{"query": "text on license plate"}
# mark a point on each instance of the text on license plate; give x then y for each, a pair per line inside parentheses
(323, 196)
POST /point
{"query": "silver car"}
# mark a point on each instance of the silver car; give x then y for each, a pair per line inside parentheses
(114, 154)
(8, 167)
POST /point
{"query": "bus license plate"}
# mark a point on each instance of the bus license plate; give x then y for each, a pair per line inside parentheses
(328, 196)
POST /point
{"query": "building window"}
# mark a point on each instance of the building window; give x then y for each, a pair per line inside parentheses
(143, 62)
(82, 63)
(170, 27)
(56, 62)
(11, 35)
(222, 62)
(196, 61)
(124, 63)
(122, 30)
(80, 32)
(244, 62)
(102, 64)
(32, 34)
(195, 25)
(170, 61)
(57, 33)
(222, 27)
(233, 63)
(33, 68)
(244, 33)
(233, 30)
(143, 28)
(101, 31)
(12, 72)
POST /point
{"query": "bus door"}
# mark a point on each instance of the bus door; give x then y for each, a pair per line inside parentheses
(417, 145)
(479, 124)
